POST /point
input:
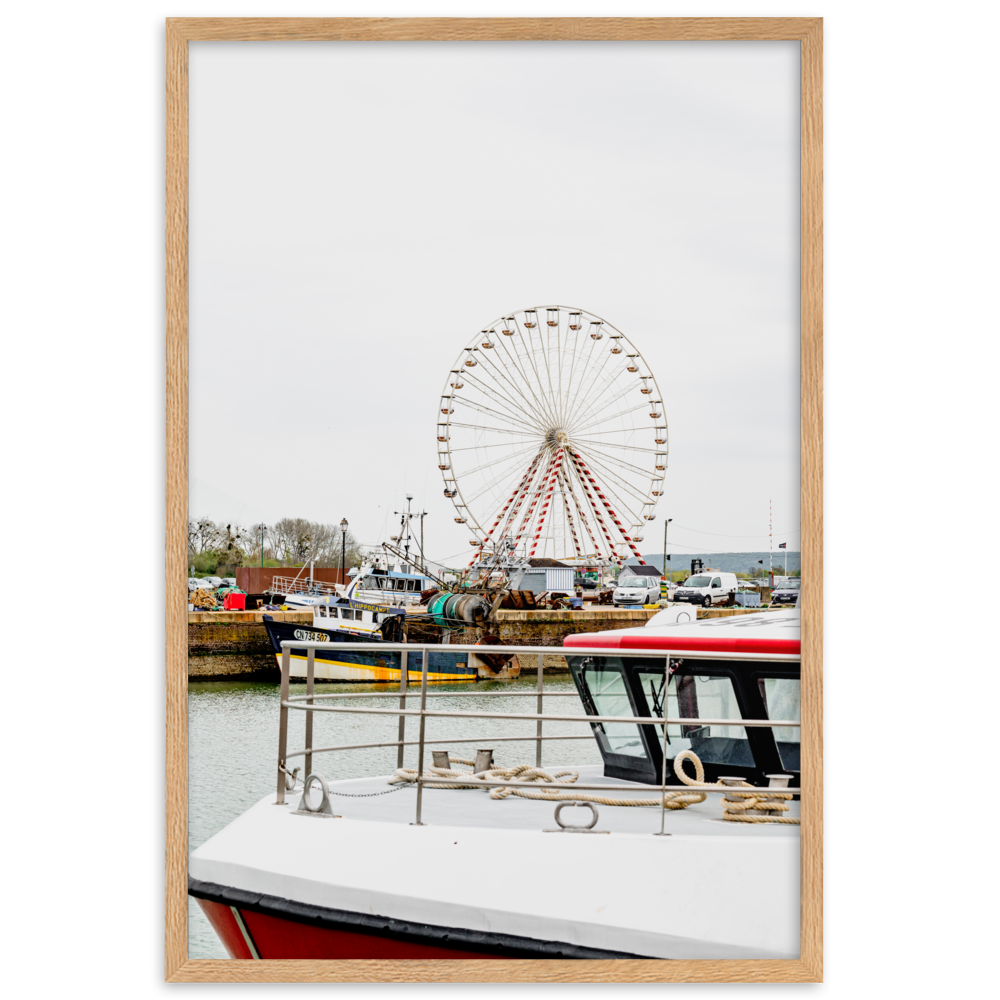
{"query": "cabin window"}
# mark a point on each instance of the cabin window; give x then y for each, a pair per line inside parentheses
(607, 690)
(782, 700)
(412, 584)
(693, 697)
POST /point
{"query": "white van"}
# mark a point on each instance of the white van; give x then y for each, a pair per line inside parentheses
(706, 588)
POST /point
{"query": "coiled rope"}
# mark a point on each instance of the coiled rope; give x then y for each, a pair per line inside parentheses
(756, 806)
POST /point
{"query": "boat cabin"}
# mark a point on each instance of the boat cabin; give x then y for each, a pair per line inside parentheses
(380, 586)
(707, 687)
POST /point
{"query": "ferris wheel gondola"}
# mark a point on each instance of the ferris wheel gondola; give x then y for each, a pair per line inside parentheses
(549, 441)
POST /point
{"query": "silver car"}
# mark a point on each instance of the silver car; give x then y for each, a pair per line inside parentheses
(633, 589)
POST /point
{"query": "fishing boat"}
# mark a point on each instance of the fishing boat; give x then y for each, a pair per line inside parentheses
(377, 605)
(689, 848)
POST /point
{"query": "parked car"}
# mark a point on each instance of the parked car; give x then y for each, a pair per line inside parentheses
(214, 581)
(193, 583)
(787, 593)
(707, 588)
(228, 581)
(637, 585)
(584, 583)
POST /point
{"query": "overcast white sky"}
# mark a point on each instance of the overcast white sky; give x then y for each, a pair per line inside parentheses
(358, 211)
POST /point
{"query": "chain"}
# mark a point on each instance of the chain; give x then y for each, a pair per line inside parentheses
(369, 795)
(346, 795)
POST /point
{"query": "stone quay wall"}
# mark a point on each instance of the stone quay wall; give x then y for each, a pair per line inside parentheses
(234, 644)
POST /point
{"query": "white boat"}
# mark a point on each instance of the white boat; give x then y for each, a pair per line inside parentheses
(439, 869)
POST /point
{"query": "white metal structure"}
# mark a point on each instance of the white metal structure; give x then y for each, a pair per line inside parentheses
(552, 434)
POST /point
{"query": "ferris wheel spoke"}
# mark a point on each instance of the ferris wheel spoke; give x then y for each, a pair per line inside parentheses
(600, 413)
(529, 351)
(487, 429)
(497, 413)
(495, 394)
(571, 401)
(621, 504)
(632, 412)
(626, 447)
(476, 447)
(593, 459)
(585, 389)
(617, 460)
(571, 406)
(539, 403)
(533, 404)
(492, 465)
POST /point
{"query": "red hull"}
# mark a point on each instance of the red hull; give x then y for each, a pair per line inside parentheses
(274, 937)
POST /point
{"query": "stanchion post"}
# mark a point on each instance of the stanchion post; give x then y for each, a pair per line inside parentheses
(663, 788)
(310, 676)
(538, 710)
(420, 749)
(286, 664)
(404, 671)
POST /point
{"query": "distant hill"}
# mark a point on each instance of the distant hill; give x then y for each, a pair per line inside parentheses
(728, 562)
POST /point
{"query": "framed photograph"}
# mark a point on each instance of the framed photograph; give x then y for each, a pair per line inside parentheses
(470, 676)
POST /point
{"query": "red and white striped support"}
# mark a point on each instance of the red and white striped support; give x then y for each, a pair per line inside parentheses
(549, 487)
(597, 513)
(525, 493)
(520, 487)
(526, 520)
(569, 513)
(583, 517)
(588, 477)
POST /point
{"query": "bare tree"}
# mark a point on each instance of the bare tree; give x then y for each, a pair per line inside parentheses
(204, 535)
(291, 539)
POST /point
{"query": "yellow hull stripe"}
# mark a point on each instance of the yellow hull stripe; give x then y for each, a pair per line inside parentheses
(334, 670)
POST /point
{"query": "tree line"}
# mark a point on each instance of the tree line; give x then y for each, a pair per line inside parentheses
(292, 541)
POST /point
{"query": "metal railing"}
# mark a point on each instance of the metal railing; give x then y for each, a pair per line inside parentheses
(307, 703)
(299, 585)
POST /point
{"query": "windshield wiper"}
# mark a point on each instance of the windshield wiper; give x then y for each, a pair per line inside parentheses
(657, 702)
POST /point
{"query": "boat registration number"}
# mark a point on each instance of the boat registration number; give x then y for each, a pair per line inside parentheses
(307, 636)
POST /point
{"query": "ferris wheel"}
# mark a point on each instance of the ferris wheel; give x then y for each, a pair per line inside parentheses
(552, 438)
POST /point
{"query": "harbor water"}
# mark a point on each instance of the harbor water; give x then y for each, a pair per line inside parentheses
(233, 749)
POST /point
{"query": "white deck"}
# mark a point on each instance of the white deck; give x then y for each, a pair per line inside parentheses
(712, 889)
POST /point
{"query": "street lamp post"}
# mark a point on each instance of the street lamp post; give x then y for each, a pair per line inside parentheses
(343, 550)
(665, 523)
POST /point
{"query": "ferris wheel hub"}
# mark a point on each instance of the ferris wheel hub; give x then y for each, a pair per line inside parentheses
(556, 437)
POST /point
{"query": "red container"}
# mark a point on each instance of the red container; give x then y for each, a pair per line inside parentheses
(234, 602)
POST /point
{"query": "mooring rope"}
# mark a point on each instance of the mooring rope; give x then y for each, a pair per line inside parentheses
(756, 806)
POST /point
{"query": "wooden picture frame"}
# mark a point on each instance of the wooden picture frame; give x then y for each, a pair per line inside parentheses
(808, 32)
